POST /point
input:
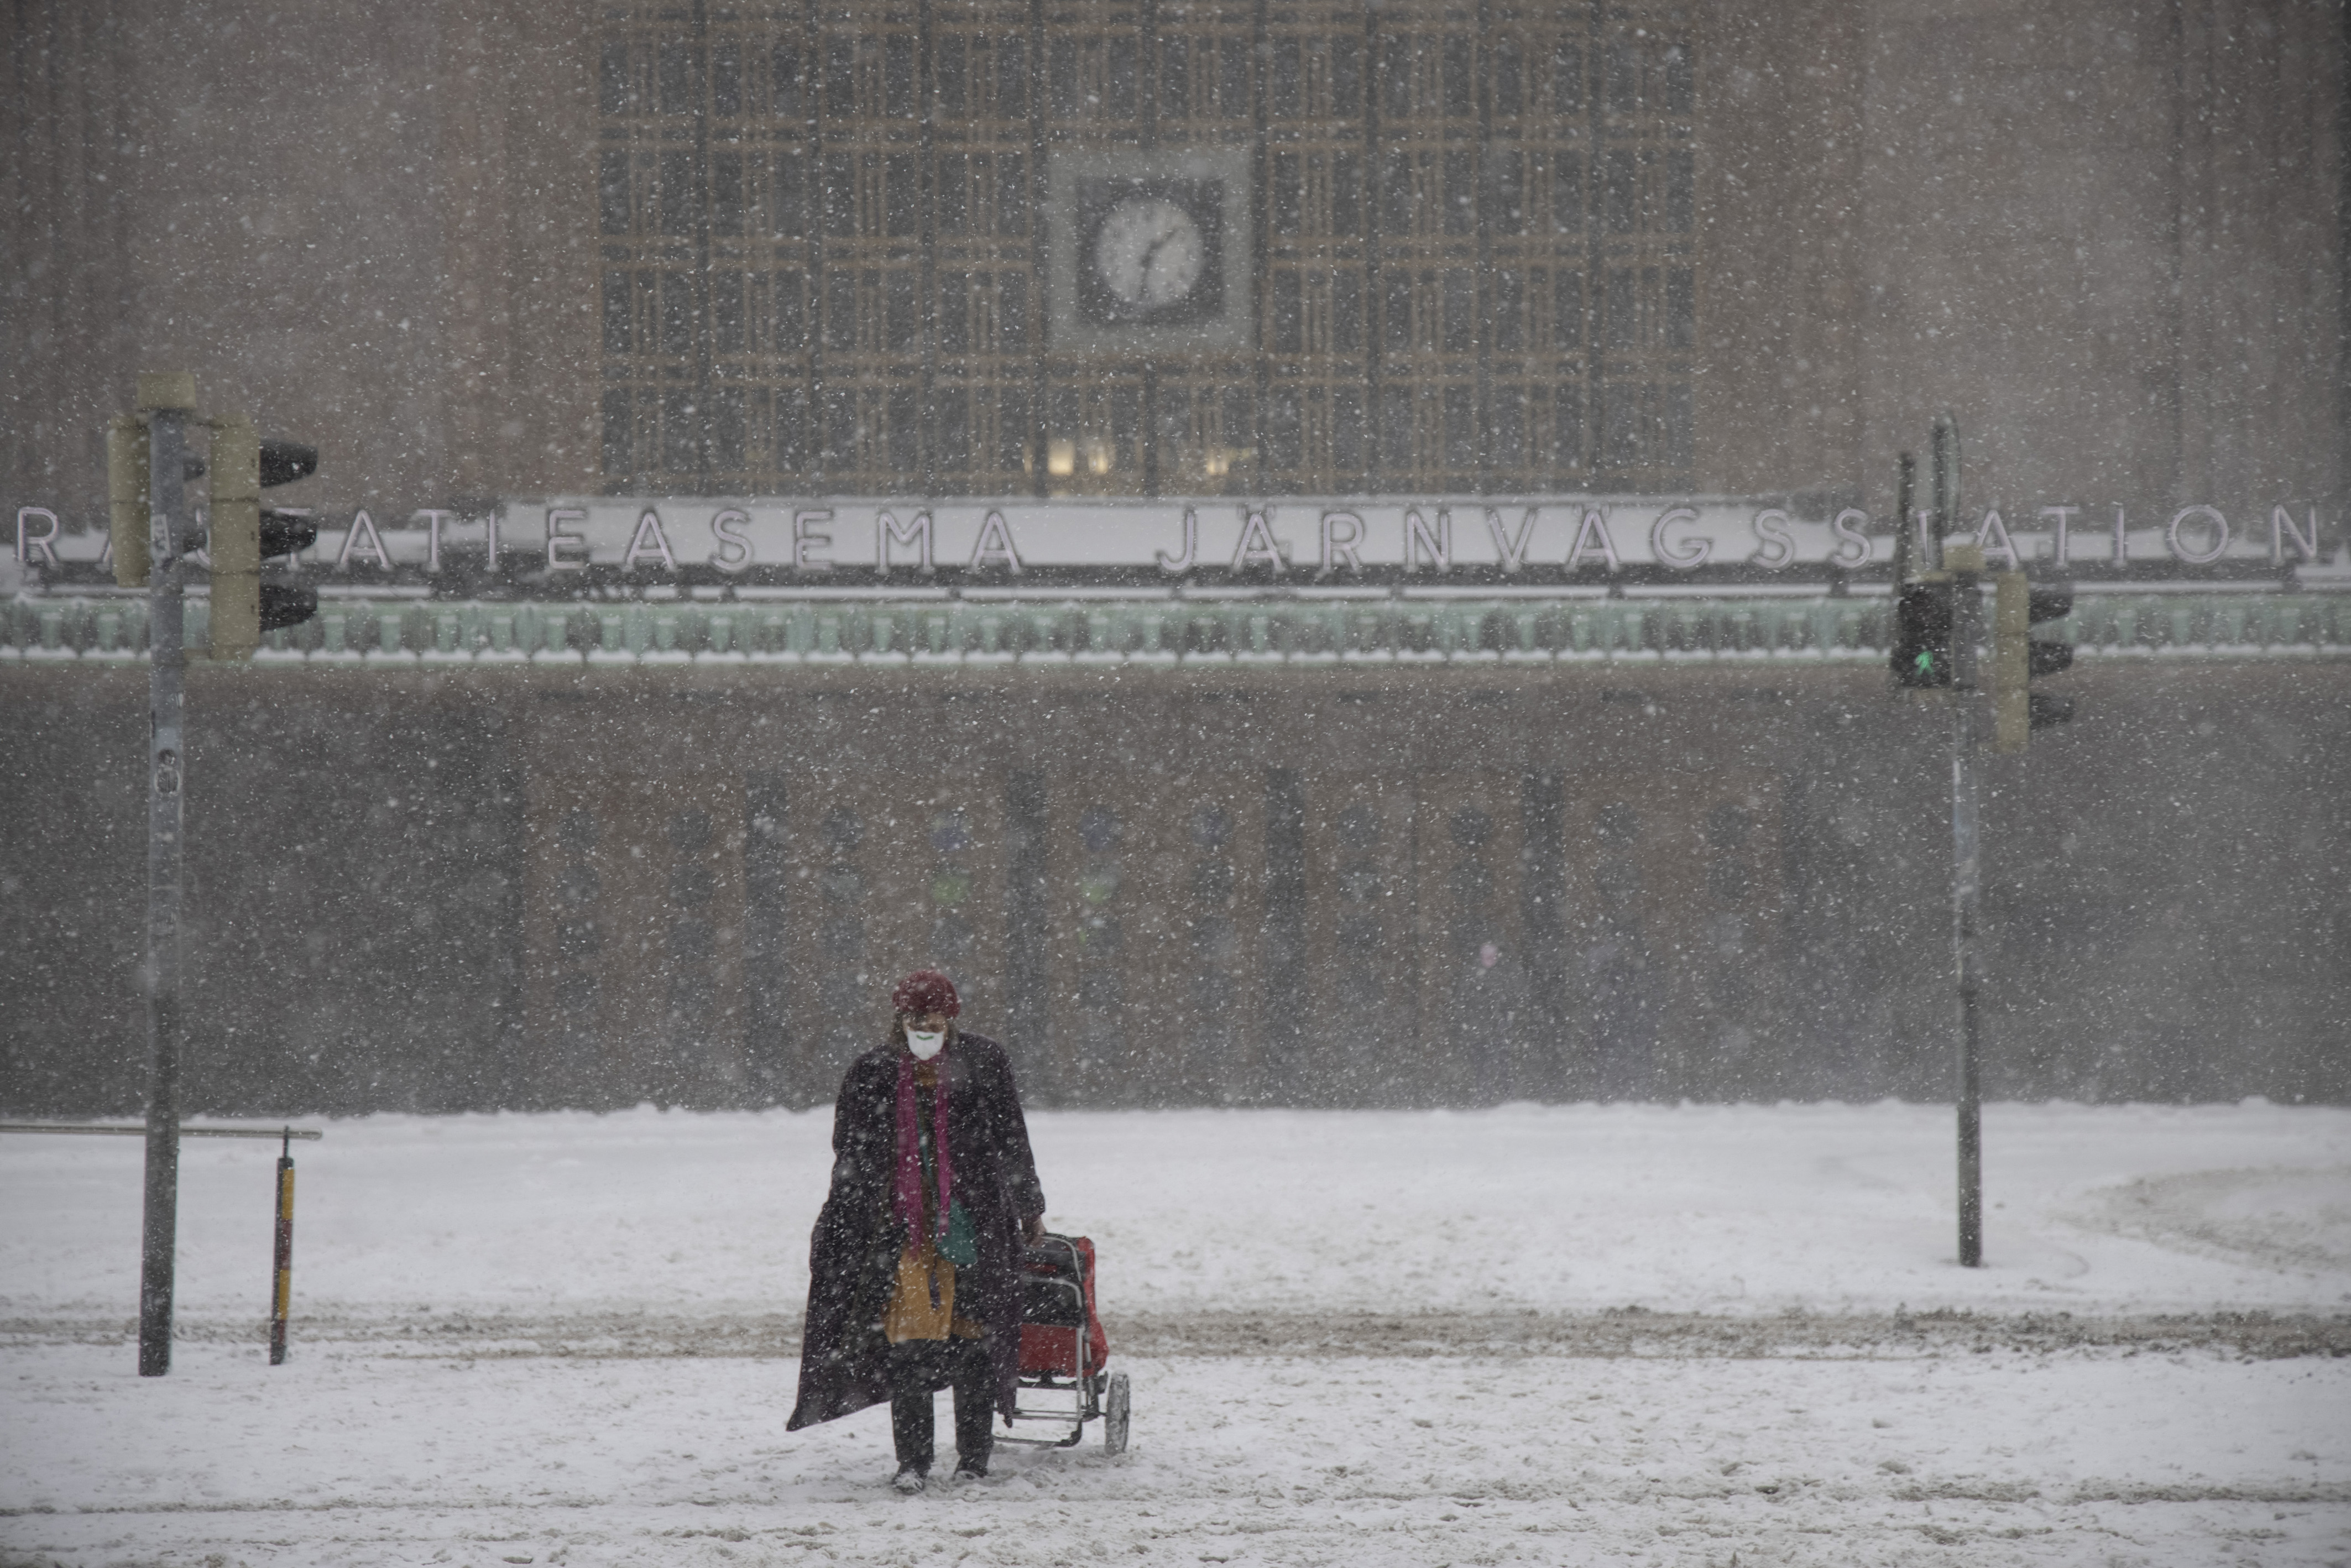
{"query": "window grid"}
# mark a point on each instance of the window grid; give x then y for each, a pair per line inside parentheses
(1315, 322)
(1202, 80)
(1476, 263)
(986, 300)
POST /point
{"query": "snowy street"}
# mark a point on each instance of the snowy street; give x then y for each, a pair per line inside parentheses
(1356, 1338)
(344, 1459)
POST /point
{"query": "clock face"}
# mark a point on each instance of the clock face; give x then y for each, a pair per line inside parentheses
(1148, 253)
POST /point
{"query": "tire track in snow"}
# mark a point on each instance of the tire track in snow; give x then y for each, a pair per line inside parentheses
(1625, 1331)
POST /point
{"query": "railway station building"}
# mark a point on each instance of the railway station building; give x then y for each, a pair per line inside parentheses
(1325, 553)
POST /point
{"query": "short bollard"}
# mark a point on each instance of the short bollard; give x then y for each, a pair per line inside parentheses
(154, 1349)
(281, 1295)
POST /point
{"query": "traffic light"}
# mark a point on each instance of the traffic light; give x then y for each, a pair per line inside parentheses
(1943, 453)
(244, 534)
(2017, 659)
(1921, 655)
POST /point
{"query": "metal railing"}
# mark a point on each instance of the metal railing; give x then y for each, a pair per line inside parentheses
(379, 633)
(138, 1130)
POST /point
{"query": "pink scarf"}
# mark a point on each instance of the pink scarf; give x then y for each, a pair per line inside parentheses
(907, 1200)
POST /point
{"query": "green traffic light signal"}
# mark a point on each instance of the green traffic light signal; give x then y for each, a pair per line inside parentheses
(1921, 655)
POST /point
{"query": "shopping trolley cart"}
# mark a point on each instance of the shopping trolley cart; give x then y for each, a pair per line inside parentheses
(1064, 1383)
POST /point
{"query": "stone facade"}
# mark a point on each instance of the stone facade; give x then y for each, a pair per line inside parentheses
(439, 869)
(2104, 236)
(481, 885)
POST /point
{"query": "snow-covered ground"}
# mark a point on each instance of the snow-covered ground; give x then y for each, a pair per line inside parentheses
(342, 1459)
(389, 1438)
(1573, 1209)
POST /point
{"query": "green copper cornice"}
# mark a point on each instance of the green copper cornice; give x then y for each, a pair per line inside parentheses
(383, 633)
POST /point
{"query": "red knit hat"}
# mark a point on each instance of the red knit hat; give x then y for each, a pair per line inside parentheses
(925, 991)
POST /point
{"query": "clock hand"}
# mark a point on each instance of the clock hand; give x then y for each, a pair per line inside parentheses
(1150, 255)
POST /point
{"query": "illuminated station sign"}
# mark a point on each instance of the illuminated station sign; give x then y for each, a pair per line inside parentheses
(558, 545)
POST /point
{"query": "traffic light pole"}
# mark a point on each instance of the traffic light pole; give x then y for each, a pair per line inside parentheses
(1967, 886)
(168, 526)
(1939, 641)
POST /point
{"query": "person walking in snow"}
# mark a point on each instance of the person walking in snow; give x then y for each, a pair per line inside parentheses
(1489, 1014)
(914, 1265)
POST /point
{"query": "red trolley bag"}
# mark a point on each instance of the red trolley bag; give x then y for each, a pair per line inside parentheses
(1064, 1383)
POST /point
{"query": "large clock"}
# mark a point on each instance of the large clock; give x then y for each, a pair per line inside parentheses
(1149, 251)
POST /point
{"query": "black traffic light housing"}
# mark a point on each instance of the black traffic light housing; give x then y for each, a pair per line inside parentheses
(242, 535)
(2018, 659)
(1921, 653)
(1920, 657)
(283, 462)
(285, 532)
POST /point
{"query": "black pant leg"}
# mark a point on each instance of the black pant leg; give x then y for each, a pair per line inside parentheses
(914, 1375)
(974, 1404)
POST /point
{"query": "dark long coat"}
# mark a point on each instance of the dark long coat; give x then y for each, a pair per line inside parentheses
(853, 1254)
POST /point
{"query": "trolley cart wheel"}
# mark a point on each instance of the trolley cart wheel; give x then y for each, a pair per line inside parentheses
(1115, 1410)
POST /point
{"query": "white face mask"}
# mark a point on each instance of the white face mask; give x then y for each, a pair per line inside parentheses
(925, 1044)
